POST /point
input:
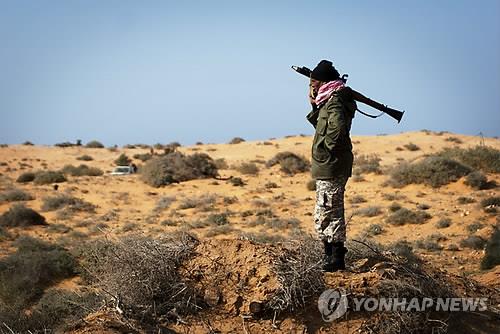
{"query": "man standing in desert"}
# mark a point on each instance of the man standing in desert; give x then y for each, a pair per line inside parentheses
(333, 109)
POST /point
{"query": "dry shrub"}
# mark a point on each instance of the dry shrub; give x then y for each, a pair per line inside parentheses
(82, 170)
(94, 144)
(411, 147)
(290, 163)
(298, 268)
(492, 252)
(177, 167)
(443, 223)
(19, 215)
(248, 168)
(364, 164)
(370, 211)
(236, 140)
(26, 177)
(434, 171)
(484, 158)
(200, 202)
(404, 216)
(143, 157)
(477, 180)
(123, 160)
(141, 274)
(15, 195)
(473, 241)
(237, 181)
(65, 201)
(48, 177)
(85, 157)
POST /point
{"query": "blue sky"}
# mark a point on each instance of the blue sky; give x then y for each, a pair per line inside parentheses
(160, 71)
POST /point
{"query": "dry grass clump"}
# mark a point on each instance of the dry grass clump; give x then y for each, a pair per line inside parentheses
(298, 268)
(492, 252)
(374, 229)
(411, 147)
(19, 215)
(164, 203)
(142, 156)
(15, 195)
(140, 275)
(473, 241)
(200, 202)
(443, 223)
(290, 163)
(81, 170)
(431, 242)
(477, 180)
(404, 216)
(490, 204)
(248, 168)
(65, 201)
(48, 177)
(237, 181)
(465, 200)
(484, 158)
(434, 171)
(176, 167)
(364, 164)
(370, 211)
(262, 237)
(85, 157)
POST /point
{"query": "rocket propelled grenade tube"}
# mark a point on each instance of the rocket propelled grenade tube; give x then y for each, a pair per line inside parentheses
(396, 114)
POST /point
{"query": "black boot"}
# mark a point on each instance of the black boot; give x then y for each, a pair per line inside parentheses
(334, 256)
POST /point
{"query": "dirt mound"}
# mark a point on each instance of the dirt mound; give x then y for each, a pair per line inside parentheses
(238, 281)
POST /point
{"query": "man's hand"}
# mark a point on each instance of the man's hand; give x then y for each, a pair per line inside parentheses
(312, 96)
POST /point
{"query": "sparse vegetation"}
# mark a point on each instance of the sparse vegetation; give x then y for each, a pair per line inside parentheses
(19, 215)
(430, 243)
(492, 252)
(364, 164)
(443, 223)
(434, 171)
(476, 180)
(177, 167)
(370, 211)
(465, 200)
(65, 201)
(236, 181)
(411, 147)
(374, 229)
(404, 216)
(248, 168)
(81, 170)
(473, 241)
(15, 195)
(356, 199)
(474, 227)
(290, 163)
(199, 202)
(85, 157)
(143, 156)
(48, 177)
(484, 158)
(491, 204)
(26, 177)
(123, 160)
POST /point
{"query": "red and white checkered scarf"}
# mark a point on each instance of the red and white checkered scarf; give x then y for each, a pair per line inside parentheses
(327, 90)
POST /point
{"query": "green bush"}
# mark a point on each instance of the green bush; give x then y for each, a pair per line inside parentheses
(433, 171)
(49, 177)
(94, 144)
(26, 177)
(492, 252)
(123, 160)
(19, 215)
(484, 158)
(404, 216)
(177, 167)
(290, 163)
(82, 170)
(15, 195)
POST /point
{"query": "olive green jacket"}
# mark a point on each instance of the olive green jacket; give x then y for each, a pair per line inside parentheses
(332, 149)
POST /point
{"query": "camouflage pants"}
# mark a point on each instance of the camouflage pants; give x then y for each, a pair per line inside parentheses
(329, 219)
